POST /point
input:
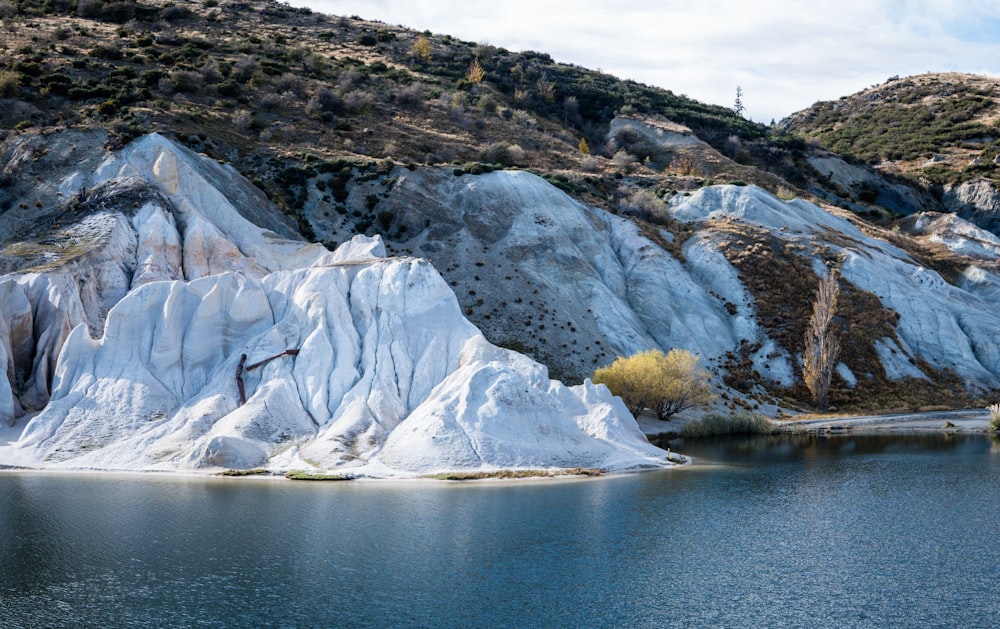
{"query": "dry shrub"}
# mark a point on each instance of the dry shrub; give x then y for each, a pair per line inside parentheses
(666, 384)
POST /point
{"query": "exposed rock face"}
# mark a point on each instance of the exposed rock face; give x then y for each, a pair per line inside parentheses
(571, 285)
(871, 186)
(576, 286)
(127, 312)
(138, 350)
(946, 325)
(977, 201)
(151, 212)
(384, 358)
(955, 234)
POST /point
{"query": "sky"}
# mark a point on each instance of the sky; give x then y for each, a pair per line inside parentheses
(784, 54)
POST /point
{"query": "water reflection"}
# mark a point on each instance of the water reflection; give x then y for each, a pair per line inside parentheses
(785, 447)
(798, 530)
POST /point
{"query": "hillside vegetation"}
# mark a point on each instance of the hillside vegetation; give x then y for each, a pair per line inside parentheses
(940, 126)
(275, 89)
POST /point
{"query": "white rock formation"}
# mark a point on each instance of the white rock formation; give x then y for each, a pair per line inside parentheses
(389, 378)
(945, 324)
(136, 318)
(977, 200)
(579, 286)
(132, 354)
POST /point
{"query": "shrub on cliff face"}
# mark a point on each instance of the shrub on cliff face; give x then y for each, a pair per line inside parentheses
(666, 384)
(9, 84)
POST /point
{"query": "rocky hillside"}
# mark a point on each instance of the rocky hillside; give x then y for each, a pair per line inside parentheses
(939, 126)
(572, 216)
(934, 138)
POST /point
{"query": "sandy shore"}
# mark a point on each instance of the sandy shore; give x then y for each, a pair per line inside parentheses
(968, 420)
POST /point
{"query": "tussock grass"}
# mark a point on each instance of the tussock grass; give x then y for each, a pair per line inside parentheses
(460, 476)
(303, 475)
(251, 472)
(994, 424)
(742, 423)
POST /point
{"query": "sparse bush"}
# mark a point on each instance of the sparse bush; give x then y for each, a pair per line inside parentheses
(523, 118)
(243, 120)
(229, 89)
(174, 12)
(666, 384)
(502, 153)
(118, 12)
(110, 52)
(88, 8)
(9, 84)
(108, 107)
(411, 96)
(644, 204)
(7, 9)
(357, 101)
(272, 101)
(186, 81)
(244, 69)
(624, 161)
(590, 164)
(742, 423)
(733, 146)
(210, 73)
(324, 100)
(290, 83)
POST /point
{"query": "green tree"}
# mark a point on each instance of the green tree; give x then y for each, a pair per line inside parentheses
(738, 107)
(666, 384)
(822, 348)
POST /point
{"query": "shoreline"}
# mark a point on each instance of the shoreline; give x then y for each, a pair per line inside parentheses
(952, 421)
(963, 421)
(454, 477)
(918, 422)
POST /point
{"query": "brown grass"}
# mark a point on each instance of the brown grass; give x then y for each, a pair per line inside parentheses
(510, 474)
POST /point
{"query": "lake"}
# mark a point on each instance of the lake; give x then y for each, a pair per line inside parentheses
(783, 531)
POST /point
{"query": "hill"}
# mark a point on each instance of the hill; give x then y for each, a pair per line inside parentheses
(936, 133)
(268, 87)
(573, 217)
(940, 127)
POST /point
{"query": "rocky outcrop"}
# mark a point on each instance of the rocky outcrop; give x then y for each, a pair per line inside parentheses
(155, 327)
(386, 378)
(576, 286)
(867, 185)
(977, 201)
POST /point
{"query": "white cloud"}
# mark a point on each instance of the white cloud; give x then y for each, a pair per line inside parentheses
(785, 54)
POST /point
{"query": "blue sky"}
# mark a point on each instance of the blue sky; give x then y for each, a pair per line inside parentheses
(785, 54)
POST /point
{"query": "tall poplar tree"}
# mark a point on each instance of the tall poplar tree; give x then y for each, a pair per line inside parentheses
(822, 345)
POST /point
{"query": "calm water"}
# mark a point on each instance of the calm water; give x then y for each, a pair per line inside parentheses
(843, 532)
